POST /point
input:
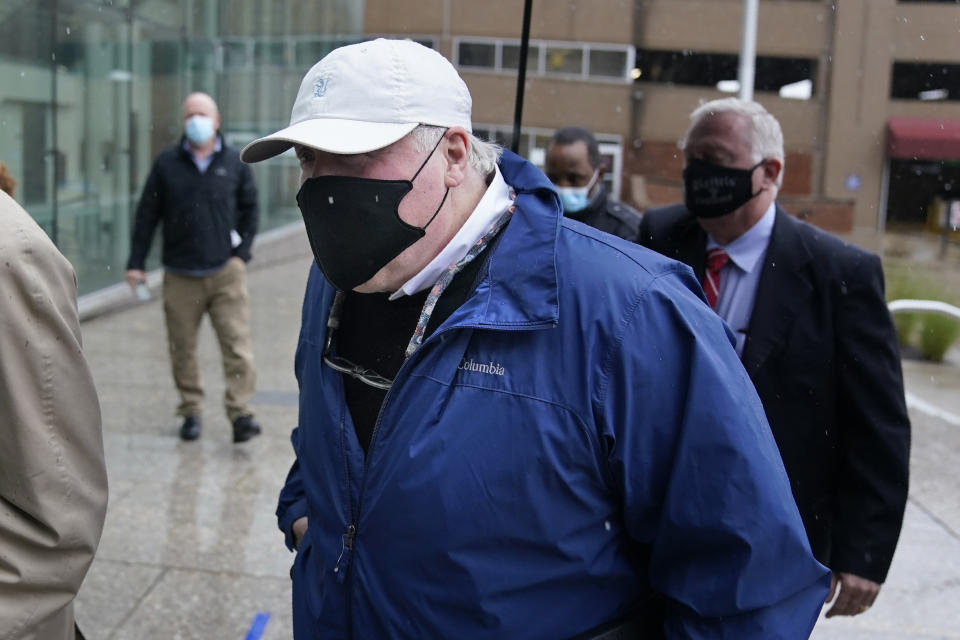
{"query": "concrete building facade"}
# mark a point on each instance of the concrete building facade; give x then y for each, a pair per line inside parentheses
(838, 74)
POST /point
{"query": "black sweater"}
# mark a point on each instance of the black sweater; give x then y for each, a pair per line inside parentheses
(374, 332)
(198, 210)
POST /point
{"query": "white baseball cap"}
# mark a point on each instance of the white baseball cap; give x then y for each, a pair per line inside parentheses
(366, 96)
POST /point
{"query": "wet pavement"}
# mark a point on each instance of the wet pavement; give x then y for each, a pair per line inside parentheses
(191, 550)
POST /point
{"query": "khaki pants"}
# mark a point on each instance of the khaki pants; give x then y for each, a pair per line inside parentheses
(224, 296)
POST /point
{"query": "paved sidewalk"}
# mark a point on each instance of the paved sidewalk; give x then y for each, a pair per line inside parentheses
(191, 549)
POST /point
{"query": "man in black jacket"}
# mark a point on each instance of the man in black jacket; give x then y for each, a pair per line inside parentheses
(813, 332)
(207, 201)
(574, 165)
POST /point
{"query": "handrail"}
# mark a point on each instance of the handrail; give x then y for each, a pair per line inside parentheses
(924, 306)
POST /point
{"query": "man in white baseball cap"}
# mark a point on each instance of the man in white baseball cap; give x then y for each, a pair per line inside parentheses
(511, 425)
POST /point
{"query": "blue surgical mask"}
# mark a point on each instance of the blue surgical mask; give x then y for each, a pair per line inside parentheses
(199, 129)
(576, 199)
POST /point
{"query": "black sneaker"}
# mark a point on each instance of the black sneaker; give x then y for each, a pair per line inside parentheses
(244, 428)
(190, 429)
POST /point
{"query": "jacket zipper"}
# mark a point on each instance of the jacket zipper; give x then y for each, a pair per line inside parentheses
(347, 538)
(344, 568)
(346, 548)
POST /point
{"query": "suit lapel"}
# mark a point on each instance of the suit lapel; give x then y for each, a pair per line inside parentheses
(781, 293)
(691, 245)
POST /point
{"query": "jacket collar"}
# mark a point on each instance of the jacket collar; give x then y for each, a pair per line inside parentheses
(691, 242)
(519, 287)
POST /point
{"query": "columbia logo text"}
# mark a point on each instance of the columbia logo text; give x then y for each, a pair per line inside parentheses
(491, 368)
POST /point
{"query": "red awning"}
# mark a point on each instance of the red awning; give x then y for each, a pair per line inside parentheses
(923, 138)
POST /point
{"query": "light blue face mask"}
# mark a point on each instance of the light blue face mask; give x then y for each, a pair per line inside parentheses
(576, 199)
(199, 129)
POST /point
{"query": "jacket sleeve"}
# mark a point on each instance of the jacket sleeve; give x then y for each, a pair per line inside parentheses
(874, 427)
(701, 477)
(149, 212)
(53, 483)
(293, 503)
(247, 212)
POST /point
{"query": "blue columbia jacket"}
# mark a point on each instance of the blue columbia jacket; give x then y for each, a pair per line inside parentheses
(583, 400)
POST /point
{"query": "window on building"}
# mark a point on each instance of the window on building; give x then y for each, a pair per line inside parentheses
(564, 60)
(790, 77)
(478, 54)
(236, 55)
(582, 60)
(308, 52)
(510, 57)
(925, 81)
(534, 142)
(276, 52)
(918, 188)
(609, 64)
(270, 53)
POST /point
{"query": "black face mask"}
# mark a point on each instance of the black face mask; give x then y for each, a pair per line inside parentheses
(711, 191)
(354, 224)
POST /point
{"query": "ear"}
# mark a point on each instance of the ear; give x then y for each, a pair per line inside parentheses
(771, 170)
(602, 169)
(456, 152)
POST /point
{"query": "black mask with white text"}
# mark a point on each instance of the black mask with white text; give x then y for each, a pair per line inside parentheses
(711, 190)
(354, 224)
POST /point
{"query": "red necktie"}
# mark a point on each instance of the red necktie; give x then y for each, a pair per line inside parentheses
(717, 259)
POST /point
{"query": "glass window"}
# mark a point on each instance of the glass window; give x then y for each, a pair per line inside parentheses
(564, 60)
(309, 52)
(791, 77)
(510, 57)
(236, 55)
(427, 42)
(85, 113)
(608, 64)
(925, 81)
(199, 55)
(920, 183)
(270, 54)
(477, 54)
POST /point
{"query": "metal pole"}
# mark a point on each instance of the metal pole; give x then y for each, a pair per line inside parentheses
(521, 77)
(748, 49)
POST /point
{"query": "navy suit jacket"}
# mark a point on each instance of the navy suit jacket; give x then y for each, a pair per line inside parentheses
(822, 351)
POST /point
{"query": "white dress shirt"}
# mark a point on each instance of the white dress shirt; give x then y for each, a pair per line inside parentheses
(739, 278)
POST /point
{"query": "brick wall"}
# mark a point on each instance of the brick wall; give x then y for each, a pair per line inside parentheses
(836, 217)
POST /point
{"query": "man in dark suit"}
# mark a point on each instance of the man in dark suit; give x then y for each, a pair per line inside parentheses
(814, 333)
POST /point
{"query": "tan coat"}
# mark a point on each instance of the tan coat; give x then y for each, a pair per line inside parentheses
(53, 484)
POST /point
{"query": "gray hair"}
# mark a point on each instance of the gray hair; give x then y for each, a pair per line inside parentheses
(766, 136)
(483, 155)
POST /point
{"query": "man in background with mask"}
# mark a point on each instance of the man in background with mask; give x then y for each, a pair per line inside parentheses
(207, 201)
(813, 332)
(574, 166)
(487, 448)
